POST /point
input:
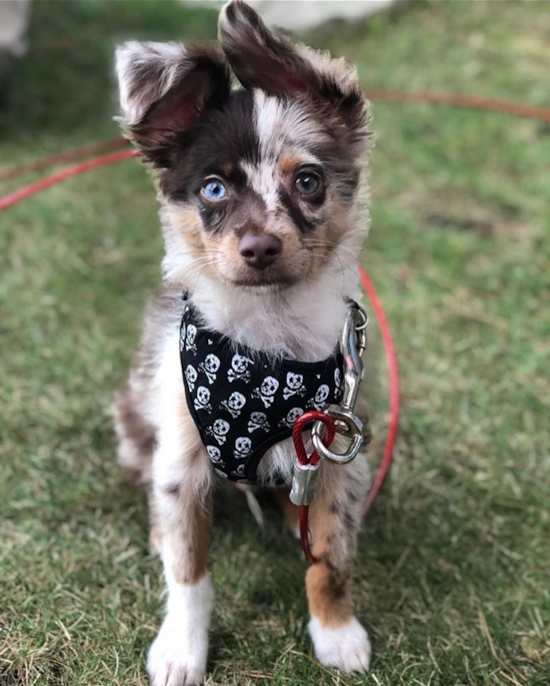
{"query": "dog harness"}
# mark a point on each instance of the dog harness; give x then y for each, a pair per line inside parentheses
(242, 401)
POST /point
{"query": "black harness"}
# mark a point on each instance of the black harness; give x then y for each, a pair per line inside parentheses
(242, 401)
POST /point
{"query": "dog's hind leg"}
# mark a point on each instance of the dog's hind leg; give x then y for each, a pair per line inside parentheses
(335, 517)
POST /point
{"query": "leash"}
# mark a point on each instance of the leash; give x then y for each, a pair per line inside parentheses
(63, 175)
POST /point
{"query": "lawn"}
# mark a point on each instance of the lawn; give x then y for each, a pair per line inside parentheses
(453, 577)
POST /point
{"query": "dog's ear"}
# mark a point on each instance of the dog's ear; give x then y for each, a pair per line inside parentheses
(261, 59)
(164, 89)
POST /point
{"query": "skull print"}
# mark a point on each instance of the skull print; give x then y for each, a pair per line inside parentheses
(243, 400)
(240, 471)
(258, 420)
(219, 430)
(291, 417)
(266, 391)
(202, 400)
(190, 338)
(239, 369)
(214, 454)
(294, 385)
(210, 367)
(320, 400)
(243, 447)
(191, 376)
(234, 404)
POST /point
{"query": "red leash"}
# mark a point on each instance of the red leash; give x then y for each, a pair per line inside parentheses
(70, 155)
(67, 173)
(393, 385)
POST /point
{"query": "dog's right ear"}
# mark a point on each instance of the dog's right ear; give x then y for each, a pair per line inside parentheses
(164, 89)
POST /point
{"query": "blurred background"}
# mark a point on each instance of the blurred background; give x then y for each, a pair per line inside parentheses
(453, 571)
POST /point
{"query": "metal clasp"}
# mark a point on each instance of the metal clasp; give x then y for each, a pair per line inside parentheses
(303, 483)
(353, 342)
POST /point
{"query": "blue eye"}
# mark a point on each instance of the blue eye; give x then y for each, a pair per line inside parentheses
(307, 183)
(214, 190)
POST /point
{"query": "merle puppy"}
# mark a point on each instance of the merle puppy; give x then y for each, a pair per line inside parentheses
(259, 187)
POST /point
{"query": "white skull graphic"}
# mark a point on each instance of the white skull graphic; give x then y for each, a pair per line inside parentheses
(243, 446)
(239, 369)
(219, 430)
(240, 471)
(322, 394)
(202, 400)
(214, 454)
(320, 399)
(191, 376)
(210, 366)
(258, 420)
(294, 385)
(291, 417)
(267, 391)
(190, 338)
(234, 404)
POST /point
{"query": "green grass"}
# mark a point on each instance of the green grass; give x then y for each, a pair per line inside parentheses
(453, 575)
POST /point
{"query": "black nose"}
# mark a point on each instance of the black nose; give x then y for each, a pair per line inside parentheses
(259, 251)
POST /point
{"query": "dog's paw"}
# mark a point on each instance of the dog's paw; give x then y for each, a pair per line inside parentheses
(346, 648)
(173, 663)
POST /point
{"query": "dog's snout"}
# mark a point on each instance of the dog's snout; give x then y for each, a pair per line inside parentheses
(259, 251)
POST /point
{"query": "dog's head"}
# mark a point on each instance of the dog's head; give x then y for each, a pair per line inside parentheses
(259, 183)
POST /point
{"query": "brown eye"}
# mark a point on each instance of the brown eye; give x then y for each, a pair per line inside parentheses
(307, 183)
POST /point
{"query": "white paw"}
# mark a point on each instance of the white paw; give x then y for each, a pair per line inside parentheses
(346, 648)
(173, 663)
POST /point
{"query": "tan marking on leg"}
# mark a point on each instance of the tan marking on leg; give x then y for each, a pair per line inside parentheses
(328, 581)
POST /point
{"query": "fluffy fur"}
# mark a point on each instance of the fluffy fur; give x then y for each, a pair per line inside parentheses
(295, 114)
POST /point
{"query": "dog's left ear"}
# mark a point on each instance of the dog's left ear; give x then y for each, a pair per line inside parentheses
(261, 59)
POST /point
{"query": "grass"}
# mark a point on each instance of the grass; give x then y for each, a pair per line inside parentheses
(453, 575)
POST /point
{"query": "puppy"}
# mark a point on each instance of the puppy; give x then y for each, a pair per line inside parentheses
(259, 188)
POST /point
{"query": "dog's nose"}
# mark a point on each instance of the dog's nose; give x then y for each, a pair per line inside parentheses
(259, 251)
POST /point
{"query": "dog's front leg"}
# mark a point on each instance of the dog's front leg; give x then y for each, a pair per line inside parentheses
(339, 639)
(182, 514)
